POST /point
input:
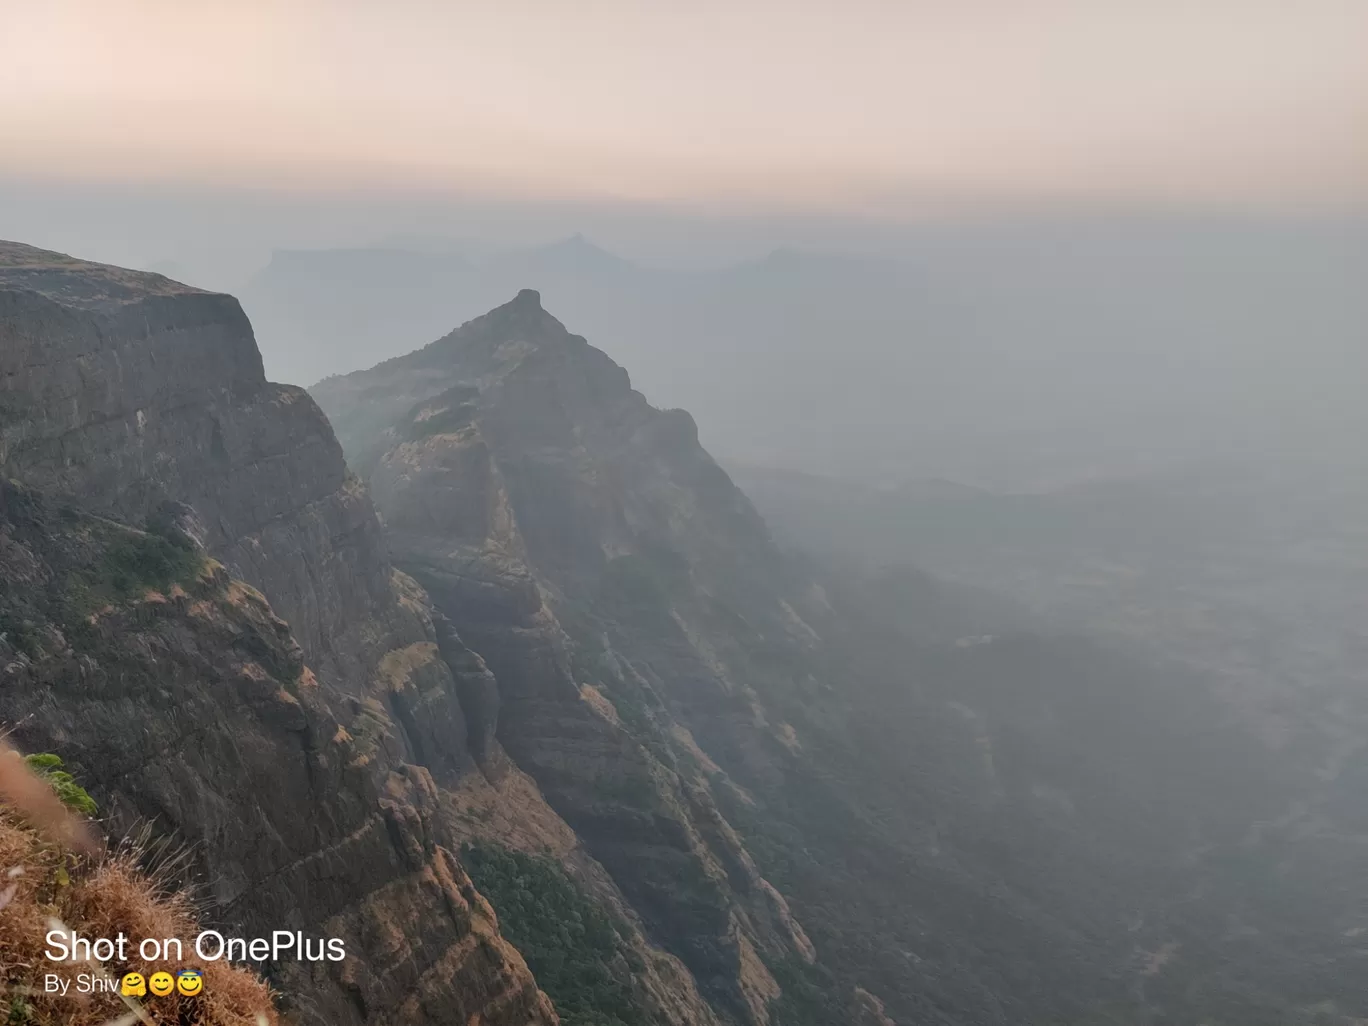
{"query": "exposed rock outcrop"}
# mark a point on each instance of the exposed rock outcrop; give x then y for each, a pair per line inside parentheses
(185, 702)
(296, 756)
(121, 390)
(533, 493)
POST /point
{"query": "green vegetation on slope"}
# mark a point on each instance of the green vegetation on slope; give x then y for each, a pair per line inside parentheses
(572, 947)
(640, 588)
(130, 565)
(808, 998)
(72, 794)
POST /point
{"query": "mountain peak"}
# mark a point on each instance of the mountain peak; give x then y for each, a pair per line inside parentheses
(522, 317)
(575, 253)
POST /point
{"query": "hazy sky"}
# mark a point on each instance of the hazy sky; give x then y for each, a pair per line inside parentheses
(850, 106)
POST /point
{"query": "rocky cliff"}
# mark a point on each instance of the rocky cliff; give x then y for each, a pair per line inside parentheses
(832, 799)
(523, 483)
(286, 751)
(121, 390)
(186, 704)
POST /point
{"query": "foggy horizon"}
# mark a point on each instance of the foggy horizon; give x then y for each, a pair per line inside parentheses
(868, 109)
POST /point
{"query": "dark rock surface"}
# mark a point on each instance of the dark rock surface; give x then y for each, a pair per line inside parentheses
(522, 460)
(121, 390)
(299, 758)
(186, 705)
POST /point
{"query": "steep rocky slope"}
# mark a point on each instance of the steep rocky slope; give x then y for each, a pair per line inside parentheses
(186, 704)
(834, 800)
(275, 751)
(338, 800)
(121, 390)
(455, 522)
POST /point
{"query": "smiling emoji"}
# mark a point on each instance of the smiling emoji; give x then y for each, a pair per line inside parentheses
(161, 984)
(189, 982)
(133, 985)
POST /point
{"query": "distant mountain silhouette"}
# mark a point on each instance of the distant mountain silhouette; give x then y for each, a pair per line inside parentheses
(1008, 356)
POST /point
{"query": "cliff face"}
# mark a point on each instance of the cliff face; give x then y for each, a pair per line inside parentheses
(301, 757)
(186, 704)
(121, 390)
(523, 483)
(834, 800)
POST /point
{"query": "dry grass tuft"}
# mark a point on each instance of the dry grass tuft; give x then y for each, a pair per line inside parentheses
(31, 797)
(100, 895)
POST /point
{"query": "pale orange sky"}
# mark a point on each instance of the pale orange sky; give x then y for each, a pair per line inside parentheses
(858, 105)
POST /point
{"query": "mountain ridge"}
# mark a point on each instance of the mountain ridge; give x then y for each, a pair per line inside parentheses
(475, 559)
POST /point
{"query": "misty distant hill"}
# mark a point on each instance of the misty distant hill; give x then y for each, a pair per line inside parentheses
(1010, 354)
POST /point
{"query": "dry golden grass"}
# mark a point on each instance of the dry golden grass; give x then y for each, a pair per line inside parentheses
(398, 666)
(23, 792)
(98, 895)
